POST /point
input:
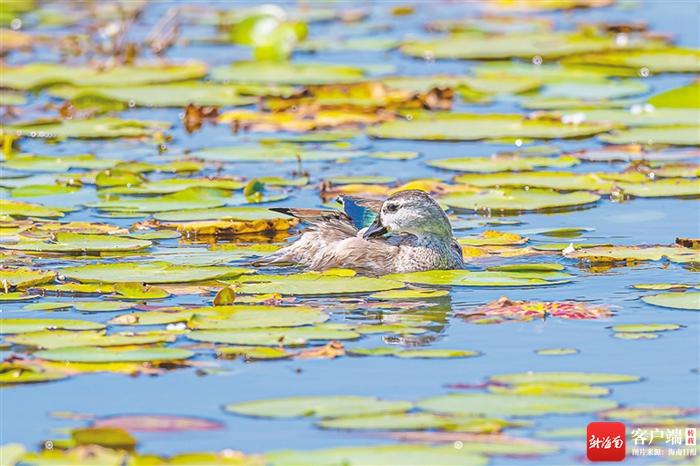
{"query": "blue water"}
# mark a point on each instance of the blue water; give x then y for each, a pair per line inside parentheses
(665, 363)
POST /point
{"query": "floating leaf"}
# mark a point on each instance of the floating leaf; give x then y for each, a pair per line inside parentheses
(516, 200)
(511, 405)
(161, 95)
(662, 188)
(219, 213)
(277, 153)
(564, 181)
(295, 336)
(147, 272)
(252, 353)
(489, 164)
(23, 277)
(679, 97)
(551, 388)
(81, 243)
(317, 406)
(12, 326)
(286, 73)
(315, 284)
(24, 209)
(44, 74)
(89, 354)
(101, 306)
(674, 135)
(615, 254)
(139, 291)
(414, 421)
(564, 377)
(636, 328)
(190, 198)
(434, 353)
(528, 45)
(378, 455)
(635, 336)
(469, 278)
(12, 374)
(503, 310)
(235, 317)
(472, 127)
(89, 128)
(690, 300)
(669, 59)
(556, 351)
(493, 238)
(409, 294)
(157, 423)
(63, 338)
(108, 437)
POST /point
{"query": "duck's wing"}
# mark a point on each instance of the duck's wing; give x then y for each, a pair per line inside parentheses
(361, 210)
(322, 219)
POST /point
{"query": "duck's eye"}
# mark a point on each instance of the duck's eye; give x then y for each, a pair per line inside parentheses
(391, 207)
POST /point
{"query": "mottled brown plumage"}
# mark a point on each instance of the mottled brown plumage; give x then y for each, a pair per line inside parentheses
(421, 238)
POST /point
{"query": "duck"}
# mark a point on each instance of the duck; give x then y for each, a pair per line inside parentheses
(409, 232)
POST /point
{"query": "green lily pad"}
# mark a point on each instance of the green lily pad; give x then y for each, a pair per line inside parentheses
(661, 60)
(564, 377)
(413, 422)
(101, 306)
(272, 153)
(23, 277)
(409, 294)
(561, 181)
(378, 455)
(674, 135)
(664, 286)
(147, 272)
(173, 185)
(39, 163)
(469, 278)
(551, 388)
(643, 328)
(107, 355)
(25, 209)
(13, 374)
(37, 75)
(12, 326)
(62, 338)
(235, 317)
(690, 300)
(311, 283)
(513, 405)
(517, 200)
(490, 164)
(190, 198)
(667, 187)
(161, 95)
(219, 213)
(594, 90)
(77, 242)
(394, 155)
(544, 44)
(295, 336)
(317, 406)
(89, 128)
(17, 296)
(139, 291)
(39, 190)
(602, 254)
(472, 127)
(286, 73)
(252, 352)
(434, 354)
(679, 97)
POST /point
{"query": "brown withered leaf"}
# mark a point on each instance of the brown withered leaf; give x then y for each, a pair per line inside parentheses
(225, 296)
(224, 228)
(195, 115)
(330, 350)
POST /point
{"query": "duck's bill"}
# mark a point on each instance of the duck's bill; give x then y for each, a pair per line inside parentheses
(374, 230)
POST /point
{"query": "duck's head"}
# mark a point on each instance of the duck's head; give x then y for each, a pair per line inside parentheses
(410, 212)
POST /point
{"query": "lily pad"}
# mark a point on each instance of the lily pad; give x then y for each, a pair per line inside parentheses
(147, 272)
(13, 326)
(643, 328)
(557, 180)
(19, 209)
(252, 353)
(613, 254)
(556, 351)
(276, 153)
(674, 135)
(378, 455)
(680, 97)
(315, 284)
(90, 128)
(473, 127)
(87, 354)
(17, 374)
(23, 277)
(77, 242)
(414, 421)
(294, 336)
(551, 388)
(63, 338)
(518, 45)
(661, 60)
(668, 187)
(219, 213)
(161, 95)
(469, 278)
(517, 200)
(190, 198)
(690, 300)
(37, 75)
(317, 406)
(513, 405)
(286, 73)
(591, 378)
(497, 164)
(434, 354)
(235, 317)
(409, 294)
